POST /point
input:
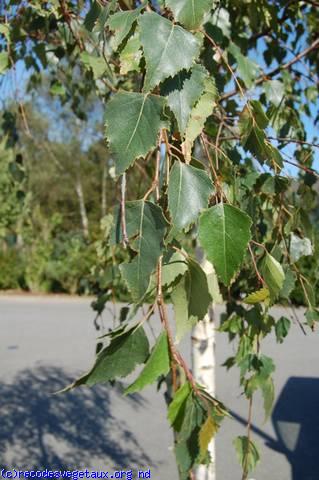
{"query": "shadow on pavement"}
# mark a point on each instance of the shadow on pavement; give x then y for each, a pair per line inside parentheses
(296, 423)
(295, 419)
(39, 430)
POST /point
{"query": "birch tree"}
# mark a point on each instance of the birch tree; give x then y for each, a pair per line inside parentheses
(212, 126)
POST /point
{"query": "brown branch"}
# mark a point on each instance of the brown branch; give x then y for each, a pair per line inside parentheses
(302, 167)
(204, 143)
(67, 17)
(275, 70)
(294, 140)
(222, 56)
(260, 278)
(164, 319)
(155, 183)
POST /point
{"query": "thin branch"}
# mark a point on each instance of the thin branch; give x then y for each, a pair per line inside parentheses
(275, 70)
(165, 322)
(123, 216)
(155, 183)
(294, 140)
(222, 56)
(302, 167)
(204, 143)
(260, 278)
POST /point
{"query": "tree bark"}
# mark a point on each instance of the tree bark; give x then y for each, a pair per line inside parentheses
(204, 361)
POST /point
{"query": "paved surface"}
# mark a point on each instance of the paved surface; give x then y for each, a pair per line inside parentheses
(46, 342)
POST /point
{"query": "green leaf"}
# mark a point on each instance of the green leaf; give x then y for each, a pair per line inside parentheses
(289, 284)
(133, 121)
(118, 359)
(268, 393)
(274, 90)
(246, 68)
(183, 322)
(177, 405)
(247, 453)
(97, 64)
(190, 13)
(224, 233)
(121, 23)
(273, 275)
(145, 221)
(191, 299)
(253, 138)
(202, 110)
(174, 266)
(167, 47)
(257, 297)
(182, 100)
(92, 16)
(198, 294)
(157, 365)
(189, 189)
(4, 62)
(282, 328)
(299, 247)
(131, 54)
(312, 316)
(207, 432)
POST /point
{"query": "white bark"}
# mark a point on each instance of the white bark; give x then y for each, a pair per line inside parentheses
(83, 213)
(203, 360)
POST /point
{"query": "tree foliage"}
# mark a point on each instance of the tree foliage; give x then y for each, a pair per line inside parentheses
(206, 122)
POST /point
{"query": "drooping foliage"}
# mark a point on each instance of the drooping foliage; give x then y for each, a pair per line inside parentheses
(211, 103)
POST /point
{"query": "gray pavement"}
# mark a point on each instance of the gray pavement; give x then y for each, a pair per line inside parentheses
(46, 342)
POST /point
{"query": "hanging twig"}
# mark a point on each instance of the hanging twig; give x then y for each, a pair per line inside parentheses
(274, 71)
(260, 278)
(125, 240)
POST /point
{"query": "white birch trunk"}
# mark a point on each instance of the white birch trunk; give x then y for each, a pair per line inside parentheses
(203, 360)
(83, 213)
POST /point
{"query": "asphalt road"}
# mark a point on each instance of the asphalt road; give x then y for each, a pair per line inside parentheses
(47, 342)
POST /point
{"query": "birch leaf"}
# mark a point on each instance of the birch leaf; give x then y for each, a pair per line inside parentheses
(168, 48)
(118, 359)
(157, 365)
(184, 323)
(199, 115)
(273, 274)
(146, 222)
(133, 121)
(120, 24)
(131, 55)
(190, 13)
(188, 192)
(224, 233)
(181, 101)
(257, 297)
(198, 294)
(247, 69)
(207, 432)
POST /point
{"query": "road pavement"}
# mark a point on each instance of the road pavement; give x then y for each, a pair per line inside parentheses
(46, 342)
